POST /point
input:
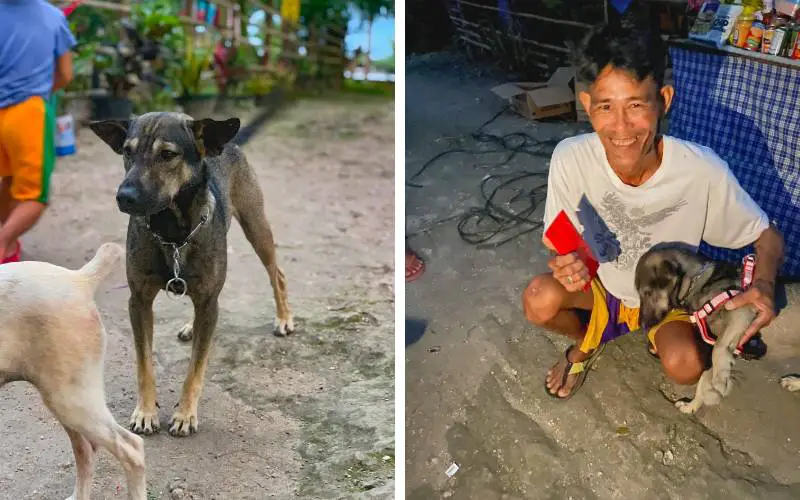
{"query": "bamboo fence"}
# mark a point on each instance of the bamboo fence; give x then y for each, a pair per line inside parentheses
(529, 39)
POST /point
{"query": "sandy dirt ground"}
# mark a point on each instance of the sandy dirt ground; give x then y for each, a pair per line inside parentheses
(309, 416)
(474, 381)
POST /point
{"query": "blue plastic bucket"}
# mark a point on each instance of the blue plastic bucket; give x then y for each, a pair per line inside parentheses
(65, 135)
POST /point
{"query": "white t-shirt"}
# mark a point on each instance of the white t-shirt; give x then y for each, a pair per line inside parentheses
(693, 196)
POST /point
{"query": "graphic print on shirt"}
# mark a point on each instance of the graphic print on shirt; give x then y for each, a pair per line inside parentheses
(601, 240)
(628, 228)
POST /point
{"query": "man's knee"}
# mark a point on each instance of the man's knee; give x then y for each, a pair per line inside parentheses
(542, 299)
(679, 353)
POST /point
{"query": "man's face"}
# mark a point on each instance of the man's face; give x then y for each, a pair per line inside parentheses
(625, 113)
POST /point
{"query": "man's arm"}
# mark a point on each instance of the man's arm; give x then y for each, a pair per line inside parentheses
(63, 74)
(769, 255)
(761, 294)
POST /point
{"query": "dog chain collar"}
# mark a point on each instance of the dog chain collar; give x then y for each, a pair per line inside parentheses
(176, 287)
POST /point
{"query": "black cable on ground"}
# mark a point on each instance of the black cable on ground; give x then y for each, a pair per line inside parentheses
(508, 200)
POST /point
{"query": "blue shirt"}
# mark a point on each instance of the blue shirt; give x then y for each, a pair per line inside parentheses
(33, 34)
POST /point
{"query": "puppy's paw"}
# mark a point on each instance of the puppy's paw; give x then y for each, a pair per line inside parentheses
(185, 333)
(687, 407)
(144, 422)
(284, 327)
(722, 382)
(183, 424)
(791, 382)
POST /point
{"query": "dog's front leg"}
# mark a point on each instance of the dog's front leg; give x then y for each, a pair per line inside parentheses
(184, 421)
(700, 395)
(721, 365)
(140, 307)
(722, 359)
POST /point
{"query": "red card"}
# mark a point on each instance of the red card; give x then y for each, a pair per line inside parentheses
(563, 235)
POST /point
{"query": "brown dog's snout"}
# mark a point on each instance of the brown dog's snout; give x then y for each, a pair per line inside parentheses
(130, 199)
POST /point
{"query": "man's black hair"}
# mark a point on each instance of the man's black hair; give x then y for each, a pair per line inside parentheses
(643, 53)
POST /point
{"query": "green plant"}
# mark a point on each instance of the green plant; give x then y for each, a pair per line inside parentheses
(190, 73)
(158, 101)
(259, 85)
(155, 19)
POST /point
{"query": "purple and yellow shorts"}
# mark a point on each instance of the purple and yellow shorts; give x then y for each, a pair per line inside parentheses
(611, 318)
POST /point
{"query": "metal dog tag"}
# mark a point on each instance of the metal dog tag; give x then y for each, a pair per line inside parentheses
(176, 288)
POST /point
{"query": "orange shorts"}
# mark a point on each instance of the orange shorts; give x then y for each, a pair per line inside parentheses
(27, 148)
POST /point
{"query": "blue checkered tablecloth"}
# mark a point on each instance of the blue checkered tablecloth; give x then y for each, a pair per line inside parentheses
(748, 112)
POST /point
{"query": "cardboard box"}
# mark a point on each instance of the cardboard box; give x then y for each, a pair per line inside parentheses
(555, 97)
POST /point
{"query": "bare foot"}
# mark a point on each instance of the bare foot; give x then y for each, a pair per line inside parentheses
(555, 376)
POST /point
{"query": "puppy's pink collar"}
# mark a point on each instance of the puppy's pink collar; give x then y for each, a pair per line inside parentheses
(700, 316)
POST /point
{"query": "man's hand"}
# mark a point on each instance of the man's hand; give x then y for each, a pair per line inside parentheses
(760, 295)
(570, 271)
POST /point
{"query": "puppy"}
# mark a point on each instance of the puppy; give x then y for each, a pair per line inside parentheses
(52, 337)
(670, 278)
(185, 180)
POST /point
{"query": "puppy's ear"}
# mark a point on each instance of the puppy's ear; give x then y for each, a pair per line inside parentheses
(691, 283)
(212, 135)
(113, 132)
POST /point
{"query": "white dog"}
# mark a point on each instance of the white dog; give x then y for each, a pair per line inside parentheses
(51, 335)
(791, 382)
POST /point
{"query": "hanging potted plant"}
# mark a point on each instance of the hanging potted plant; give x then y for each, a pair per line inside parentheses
(127, 58)
(189, 75)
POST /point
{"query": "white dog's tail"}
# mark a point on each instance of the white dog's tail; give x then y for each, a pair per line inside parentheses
(102, 264)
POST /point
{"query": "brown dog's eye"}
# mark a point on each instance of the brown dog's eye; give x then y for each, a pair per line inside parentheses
(168, 155)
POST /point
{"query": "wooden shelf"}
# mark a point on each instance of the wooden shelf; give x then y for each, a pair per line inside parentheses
(729, 50)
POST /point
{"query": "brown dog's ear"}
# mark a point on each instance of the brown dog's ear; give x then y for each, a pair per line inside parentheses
(212, 135)
(113, 132)
(693, 282)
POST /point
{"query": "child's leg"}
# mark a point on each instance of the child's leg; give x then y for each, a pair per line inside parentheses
(7, 203)
(27, 134)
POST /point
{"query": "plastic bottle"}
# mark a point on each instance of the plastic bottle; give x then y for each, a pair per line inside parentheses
(741, 30)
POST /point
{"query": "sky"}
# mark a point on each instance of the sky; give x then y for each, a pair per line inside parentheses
(382, 34)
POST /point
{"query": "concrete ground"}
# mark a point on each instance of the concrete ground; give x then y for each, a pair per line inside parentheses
(306, 416)
(474, 380)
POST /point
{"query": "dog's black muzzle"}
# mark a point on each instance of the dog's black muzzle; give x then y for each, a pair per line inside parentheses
(130, 199)
(133, 199)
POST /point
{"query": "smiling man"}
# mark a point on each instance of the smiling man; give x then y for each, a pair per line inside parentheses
(637, 188)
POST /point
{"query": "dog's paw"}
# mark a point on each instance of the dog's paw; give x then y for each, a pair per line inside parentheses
(791, 382)
(144, 422)
(686, 407)
(183, 424)
(284, 327)
(185, 333)
(723, 383)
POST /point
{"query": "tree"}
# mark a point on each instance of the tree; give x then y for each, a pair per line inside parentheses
(370, 9)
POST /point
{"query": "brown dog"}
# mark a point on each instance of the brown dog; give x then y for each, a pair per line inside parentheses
(184, 182)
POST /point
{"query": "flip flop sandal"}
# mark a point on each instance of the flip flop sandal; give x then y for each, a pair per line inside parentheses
(15, 257)
(580, 368)
(417, 268)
